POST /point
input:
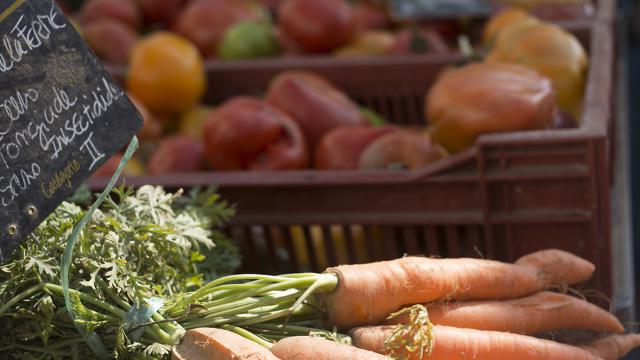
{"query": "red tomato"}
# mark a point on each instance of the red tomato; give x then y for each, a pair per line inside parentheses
(318, 25)
(205, 21)
(314, 103)
(177, 154)
(247, 133)
(124, 11)
(340, 149)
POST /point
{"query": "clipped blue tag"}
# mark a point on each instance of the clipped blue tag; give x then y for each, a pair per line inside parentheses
(139, 315)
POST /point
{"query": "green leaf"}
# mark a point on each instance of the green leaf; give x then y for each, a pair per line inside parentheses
(158, 349)
(197, 257)
(43, 266)
(91, 283)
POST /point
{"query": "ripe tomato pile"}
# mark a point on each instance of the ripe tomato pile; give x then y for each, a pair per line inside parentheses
(531, 76)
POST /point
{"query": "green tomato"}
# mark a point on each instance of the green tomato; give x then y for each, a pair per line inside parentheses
(248, 40)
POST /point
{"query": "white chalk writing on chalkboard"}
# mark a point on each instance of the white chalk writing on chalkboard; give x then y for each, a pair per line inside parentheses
(80, 111)
(27, 37)
(62, 115)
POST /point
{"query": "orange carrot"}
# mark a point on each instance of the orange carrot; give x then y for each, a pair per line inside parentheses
(613, 347)
(314, 348)
(541, 312)
(556, 266)
(210, 343)
(367, 293)
(454, 343)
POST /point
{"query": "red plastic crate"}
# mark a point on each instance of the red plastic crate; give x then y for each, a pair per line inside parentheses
(510, 194)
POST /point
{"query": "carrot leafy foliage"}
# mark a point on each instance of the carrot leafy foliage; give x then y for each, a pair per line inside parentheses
(140, 245)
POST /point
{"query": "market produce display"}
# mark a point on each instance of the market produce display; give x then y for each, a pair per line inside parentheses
(531, 76)
(422, 336)
(146, 282)
(249, 29)
(154, 276)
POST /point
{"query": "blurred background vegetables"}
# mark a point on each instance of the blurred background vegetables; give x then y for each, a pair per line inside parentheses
(166, 49)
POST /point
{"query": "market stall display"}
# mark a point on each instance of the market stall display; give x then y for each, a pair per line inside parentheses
(550, 95)
(150, 267)
(384, 188)
(507, 194)
(292, 28)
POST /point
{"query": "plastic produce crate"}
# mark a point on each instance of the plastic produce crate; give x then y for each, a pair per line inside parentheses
(510, 194)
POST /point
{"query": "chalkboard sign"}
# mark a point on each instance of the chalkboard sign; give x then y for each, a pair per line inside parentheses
(425, 9)
(61, 115)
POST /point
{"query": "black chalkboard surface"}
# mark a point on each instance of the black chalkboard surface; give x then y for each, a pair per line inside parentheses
(425, 9)
(61, 115)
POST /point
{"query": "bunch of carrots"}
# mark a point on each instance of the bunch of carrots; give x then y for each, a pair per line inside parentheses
(426, 308)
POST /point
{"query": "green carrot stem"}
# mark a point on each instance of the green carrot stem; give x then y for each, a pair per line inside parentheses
(218, 321)
(325, 281)
(219, 310)
(231, 289)
(286, 330)
(215, 322)
(112, 295)
(290, 284)
(103, 317)
(23, 295)
(36, 349)
(248, 335)
(301, 275)
(252, 284)
(206, 288)
(275, 337)
(167, 327)
(153, 331)
(255, 312)
(283, 328)
(265, 317)
(252, 303)
(57, 289)
(62, 344)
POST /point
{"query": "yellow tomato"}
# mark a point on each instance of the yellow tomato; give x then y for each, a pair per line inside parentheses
(504, 19)
(166, 73)
(191, 121)
(552, 52)
(373, 42)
